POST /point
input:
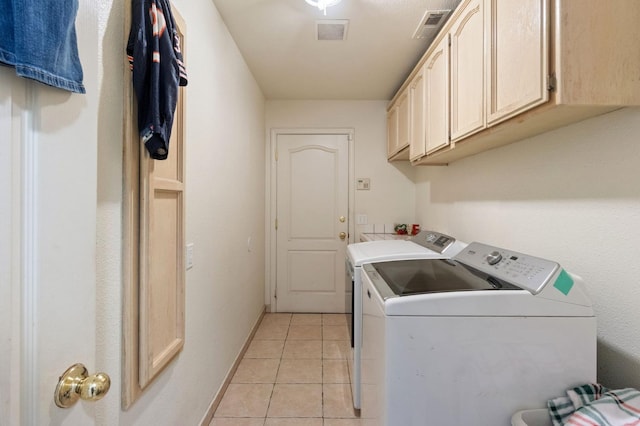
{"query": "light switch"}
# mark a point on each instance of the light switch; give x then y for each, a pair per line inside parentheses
(363, 184)
(361, 219)
(189, 256)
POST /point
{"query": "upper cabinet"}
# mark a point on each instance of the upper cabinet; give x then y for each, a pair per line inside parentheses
(517, 57)
(398, 128)
(501, 70)
(467, 36)
(436, 72)
(417, 136)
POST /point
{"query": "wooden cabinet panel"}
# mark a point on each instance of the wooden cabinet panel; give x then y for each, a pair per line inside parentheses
(518, 52)
(154, 247)
(437, 97)
(467, 71)
(392, 131)
(162, 246)
(545, 64)
(418, 146)
(398, 124)
(403, 121)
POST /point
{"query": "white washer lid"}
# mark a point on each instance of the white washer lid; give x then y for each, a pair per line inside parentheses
(382, 251)
(376, 251)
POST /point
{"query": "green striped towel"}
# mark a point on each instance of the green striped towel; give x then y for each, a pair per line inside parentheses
(594, 405)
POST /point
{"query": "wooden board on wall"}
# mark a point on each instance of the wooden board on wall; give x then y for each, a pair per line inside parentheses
(153, 246)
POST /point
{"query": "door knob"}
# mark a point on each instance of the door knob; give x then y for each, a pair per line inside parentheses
(76, 383)
(343, 235)
(342, 219)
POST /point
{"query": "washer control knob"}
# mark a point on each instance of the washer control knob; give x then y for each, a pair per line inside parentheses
(494, 257)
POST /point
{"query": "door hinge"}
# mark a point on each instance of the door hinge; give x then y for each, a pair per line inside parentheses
(350, 137)
(551, 82)
(276, 224)
(275, 293)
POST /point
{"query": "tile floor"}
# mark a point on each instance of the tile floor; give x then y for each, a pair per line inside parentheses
(294, 373)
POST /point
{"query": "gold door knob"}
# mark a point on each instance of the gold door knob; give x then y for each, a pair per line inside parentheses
(342, 219)
(343, 235)
(76, 384)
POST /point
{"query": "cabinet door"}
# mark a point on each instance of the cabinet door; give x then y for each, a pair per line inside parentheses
(437, 97)
(467, 71)
(518, 64)
(403, 121)
(417, 146)
(392, 131)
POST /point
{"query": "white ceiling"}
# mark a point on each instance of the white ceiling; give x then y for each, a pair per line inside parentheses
(277, 39)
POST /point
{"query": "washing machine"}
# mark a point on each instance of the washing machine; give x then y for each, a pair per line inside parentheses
(473, 339)
(426, 244)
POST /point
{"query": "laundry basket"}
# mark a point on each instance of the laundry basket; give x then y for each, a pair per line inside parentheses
(537, 417)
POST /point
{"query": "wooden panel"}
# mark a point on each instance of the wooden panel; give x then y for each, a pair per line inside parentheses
(165, 270)
(146, 352)
(392, 131)
(518, 63)
(403, 122)
(467, 71)
(437, 97)
(162, 267)
(598, 54)
(417, 146)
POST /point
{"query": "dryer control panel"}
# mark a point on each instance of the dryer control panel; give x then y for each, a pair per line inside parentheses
(525, 271)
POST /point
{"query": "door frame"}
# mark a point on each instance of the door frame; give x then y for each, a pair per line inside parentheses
(271, 199)
(19, 252)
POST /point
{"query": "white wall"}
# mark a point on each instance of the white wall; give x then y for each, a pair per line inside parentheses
(571, 195)
(225, 206)
(8, 372)
(391, 198)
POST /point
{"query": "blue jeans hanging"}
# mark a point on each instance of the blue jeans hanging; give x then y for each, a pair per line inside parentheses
(38, 39)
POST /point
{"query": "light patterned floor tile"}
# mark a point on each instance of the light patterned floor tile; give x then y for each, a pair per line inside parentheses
(336, 349)
(230, 421)
(256, 370)
(335, 371)
(271, 331)
(302, 349)
(337, 401)
(293, 422)
(281, 318)
(300, 371)
(296, 400)
(245, 400)
(305, 332)
(334, 319)
(265, 349)
(343, 422)
(335, 332)
(306, 319)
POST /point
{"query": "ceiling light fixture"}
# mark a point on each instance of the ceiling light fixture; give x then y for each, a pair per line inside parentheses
(323, 4)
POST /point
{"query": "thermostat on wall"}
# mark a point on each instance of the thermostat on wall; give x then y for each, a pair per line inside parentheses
(363, 184)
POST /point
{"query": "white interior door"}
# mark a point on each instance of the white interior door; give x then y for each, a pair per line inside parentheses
(48, 243)
(312, 205)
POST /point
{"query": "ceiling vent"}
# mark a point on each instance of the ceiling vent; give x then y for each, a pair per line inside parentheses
(332, 29)
(430, 23)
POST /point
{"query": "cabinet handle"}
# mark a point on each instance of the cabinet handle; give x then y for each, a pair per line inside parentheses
(369, 294)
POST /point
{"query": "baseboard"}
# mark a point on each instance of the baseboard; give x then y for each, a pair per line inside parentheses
(208, 417)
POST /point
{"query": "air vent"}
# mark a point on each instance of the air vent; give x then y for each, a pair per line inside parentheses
(332, 29)
(430, 23)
